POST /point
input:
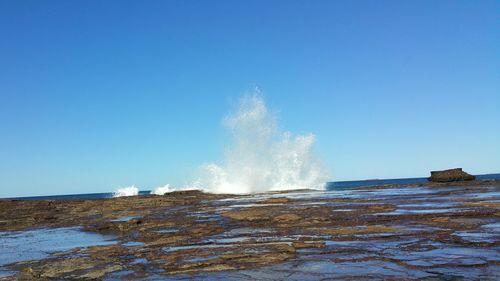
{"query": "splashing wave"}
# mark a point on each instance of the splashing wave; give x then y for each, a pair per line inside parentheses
(126, 191)
(162, 190)
(260, 157)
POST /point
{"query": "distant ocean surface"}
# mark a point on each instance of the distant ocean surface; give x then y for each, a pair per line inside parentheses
(351, 184)
(334, 185)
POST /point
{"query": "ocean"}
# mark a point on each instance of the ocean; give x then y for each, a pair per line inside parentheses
(334, 185)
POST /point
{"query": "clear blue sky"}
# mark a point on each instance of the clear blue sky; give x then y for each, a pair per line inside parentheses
(100, 94)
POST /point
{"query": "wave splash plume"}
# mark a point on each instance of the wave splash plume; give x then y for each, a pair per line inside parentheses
(126, 191)
(261, 157)
(162, 190)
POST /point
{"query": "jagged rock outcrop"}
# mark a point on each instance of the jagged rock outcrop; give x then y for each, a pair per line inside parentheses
(450, 175)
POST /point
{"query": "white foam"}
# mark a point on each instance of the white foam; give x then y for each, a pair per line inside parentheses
(126, 191)
(260, 157)
(161, 190)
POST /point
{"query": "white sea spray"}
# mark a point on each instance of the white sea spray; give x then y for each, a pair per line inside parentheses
(126, 191)
(260, 157)
(162, 190)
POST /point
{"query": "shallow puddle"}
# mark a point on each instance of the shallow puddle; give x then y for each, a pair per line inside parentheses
(451, 256)
(494, 194)
(6, 273)
(478, 237)
(428, 205)
(197, 246)
(493, 226)
(38, 244)
(125, 218)
(200, 259)
(167, 230)
(133, 244)
(422, 211)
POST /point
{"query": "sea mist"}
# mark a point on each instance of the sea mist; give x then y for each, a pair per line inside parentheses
(126, 191)
(260, 157)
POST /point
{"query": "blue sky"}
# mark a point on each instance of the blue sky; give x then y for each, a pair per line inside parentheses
(100, 94)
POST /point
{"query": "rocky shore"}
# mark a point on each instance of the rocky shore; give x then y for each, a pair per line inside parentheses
(432, 231)
(450, 175)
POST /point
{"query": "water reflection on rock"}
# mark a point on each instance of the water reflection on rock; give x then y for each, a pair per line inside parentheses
(379, 232)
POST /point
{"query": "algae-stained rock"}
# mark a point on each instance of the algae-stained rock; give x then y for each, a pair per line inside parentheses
(276, 200)
(450, 175)
(308, 244)
(98, 274)
(250, 214)
(58, 268)
(27, 274)
(287, 217)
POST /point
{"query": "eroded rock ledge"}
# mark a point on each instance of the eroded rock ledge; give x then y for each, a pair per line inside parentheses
(450, 175)
(381, 232)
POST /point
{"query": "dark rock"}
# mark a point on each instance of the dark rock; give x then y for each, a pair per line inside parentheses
(276, 200)
(200, 233)
(450, 175)
(193, 192)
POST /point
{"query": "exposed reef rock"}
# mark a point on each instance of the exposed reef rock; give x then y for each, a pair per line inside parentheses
(388, 232)
(450, 175)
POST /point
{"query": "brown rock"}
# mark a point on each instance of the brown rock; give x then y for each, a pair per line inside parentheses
(250, 214)
(308, 244)
(27, 274)
(99, 273)
(450, 175)
(287, 217)
(277, 200)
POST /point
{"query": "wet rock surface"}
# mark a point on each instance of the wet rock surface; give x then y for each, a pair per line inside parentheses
(434, 232)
